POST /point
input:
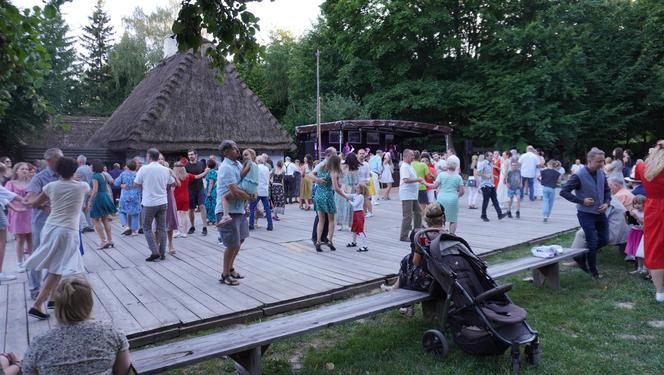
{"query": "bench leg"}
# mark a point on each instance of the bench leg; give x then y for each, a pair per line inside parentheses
(432, 310)
(550, 274)
(249, 361)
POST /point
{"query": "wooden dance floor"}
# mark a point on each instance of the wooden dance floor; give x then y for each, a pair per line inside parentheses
(157, 301)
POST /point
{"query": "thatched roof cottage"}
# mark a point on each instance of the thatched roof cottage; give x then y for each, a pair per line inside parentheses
(180, 105)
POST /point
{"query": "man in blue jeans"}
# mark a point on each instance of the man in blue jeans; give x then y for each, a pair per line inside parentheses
(592, 197)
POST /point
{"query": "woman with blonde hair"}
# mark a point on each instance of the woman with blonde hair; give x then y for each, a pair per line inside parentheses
(20, 221)
(79, 344)
(386, 177)
(651, 174)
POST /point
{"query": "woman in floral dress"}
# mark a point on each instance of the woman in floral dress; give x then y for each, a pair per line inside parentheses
(211, 199)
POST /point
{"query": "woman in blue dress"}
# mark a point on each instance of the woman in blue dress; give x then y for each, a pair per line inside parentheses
(130, 199)
(327, 183)
(211, 198)
(101, 206)
(450, 188)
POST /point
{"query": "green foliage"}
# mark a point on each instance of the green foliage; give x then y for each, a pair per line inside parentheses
(60, 88)
(97, 79)
(232, 27)
(333, 107)
(23, 63)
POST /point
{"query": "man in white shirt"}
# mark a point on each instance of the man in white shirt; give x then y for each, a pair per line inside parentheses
(263, 194)
(529, 162)
(451, 156)
(408, 190)
(289, 179)
(153, 179)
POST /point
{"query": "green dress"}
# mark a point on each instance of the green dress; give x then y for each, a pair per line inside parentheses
(102, 205)
(324, 196)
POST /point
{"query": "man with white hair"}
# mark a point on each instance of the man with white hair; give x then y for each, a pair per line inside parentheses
(84, 174)
(408, 194)
(40, 214)
(263, 194)
(529, 162)
(624, 196)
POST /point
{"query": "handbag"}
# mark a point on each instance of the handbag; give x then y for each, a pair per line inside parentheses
(472, 182)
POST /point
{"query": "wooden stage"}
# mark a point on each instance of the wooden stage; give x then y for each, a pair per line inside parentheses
(157, 301)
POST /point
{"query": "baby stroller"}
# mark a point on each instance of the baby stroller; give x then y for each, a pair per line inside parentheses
(480, 317)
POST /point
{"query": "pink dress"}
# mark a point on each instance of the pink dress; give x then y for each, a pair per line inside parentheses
(19, 222)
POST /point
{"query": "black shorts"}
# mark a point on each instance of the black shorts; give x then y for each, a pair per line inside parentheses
(196, 198)
(422, 197)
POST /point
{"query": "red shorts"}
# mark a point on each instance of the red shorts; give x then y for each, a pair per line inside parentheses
(358, 222)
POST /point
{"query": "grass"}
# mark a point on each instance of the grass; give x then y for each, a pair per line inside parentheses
(587, 327)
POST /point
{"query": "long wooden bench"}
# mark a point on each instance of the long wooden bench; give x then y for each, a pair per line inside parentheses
(246, 344)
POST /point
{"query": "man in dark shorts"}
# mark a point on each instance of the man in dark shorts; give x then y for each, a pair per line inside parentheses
(233, 234)
(196, 192)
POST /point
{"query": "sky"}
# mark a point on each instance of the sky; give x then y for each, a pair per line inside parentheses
(295, 16)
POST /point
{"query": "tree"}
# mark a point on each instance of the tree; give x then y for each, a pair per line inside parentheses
(61, 80)
(97, 79)
(152, 28)
(23, 64)
(232, 28)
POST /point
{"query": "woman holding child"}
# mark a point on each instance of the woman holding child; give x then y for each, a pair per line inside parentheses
(327, 183)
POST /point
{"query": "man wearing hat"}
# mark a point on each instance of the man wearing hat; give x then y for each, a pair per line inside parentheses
(289, 179)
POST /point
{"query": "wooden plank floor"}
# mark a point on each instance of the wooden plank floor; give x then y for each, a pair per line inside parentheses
(153, 301)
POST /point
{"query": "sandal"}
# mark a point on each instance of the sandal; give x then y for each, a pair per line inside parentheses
(362, 249)
(171, 252)
(318, 248)
(331, 245)
(228, 280)
(351, 244)
(236, 275)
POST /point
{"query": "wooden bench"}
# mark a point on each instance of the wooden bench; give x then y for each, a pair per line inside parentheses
(246, 344)
(544, 269)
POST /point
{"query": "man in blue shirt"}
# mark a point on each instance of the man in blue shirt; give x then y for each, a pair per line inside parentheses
(40, 214)
(235, 232)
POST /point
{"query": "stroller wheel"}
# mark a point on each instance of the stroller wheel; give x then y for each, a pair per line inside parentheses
(434, 342)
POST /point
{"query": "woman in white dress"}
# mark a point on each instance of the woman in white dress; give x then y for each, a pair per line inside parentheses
(386, 176)
(502, 186)
(58, 252)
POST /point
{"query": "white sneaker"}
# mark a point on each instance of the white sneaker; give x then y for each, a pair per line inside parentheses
(659, 297)
(369, 215)
(19, 267)
(6, 277)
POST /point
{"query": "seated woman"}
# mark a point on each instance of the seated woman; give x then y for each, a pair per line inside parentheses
(78, 345)
(413, 272)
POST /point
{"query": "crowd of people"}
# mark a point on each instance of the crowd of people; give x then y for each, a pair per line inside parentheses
(50, 205)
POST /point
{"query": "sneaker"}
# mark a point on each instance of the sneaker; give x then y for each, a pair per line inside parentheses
(38, 314)
(152, 258)
(270, 228)
(6, 277)
(546, 219)
(659, 297)
(204, 231)
(509, 214)
(368, 215)
(502, 216)
(518, 214)
(19, 267)
(484, 218)
(191, 230)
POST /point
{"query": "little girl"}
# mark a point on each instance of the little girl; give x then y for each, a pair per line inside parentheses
(357, 202)
(635, 236)
(248, 183)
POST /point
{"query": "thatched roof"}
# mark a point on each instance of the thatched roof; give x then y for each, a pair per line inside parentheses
(406, 128)
(180, 105)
